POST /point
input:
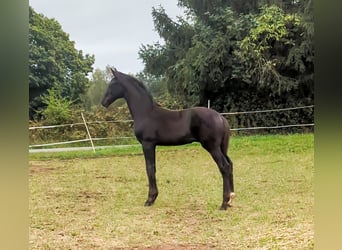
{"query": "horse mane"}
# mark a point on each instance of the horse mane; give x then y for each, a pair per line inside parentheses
(139, 84)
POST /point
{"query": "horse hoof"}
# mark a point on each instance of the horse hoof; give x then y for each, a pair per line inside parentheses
(148, 204)
(231, 197)
(224, 207)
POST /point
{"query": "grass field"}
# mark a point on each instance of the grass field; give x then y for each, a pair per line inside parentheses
(95, 201)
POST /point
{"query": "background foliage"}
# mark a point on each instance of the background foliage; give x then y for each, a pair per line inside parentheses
(241, 55)
(54, 62)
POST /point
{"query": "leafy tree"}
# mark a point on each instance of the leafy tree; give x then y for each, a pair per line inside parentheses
(58, 108)
(201, 8)
(207, 66)
(272, 54)
(177, 36)
(242, 55)
(196, 59)
(97, 86)
(54, 61)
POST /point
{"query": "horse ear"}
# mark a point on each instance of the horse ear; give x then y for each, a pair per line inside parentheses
(114, 71)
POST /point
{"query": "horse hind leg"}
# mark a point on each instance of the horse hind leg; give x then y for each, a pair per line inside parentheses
(224, 150)
(231, 180)
(226, 172)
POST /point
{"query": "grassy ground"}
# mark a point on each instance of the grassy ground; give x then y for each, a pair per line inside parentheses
(96, 201)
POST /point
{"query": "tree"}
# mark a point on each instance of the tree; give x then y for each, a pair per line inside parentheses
(58, 108)
(242, 55)
(196, 59)
(206, 68)
(273, 54)
(177, 36)
(201, 8)
(97, 86)
(54, 61)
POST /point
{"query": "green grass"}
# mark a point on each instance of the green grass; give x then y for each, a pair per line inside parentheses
(95, 201)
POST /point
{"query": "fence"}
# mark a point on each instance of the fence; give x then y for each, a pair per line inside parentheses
(91, 140)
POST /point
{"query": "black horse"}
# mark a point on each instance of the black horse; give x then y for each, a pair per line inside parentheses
(154, 126)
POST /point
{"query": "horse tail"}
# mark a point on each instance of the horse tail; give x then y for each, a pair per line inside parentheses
(224, 150)
(225, 138)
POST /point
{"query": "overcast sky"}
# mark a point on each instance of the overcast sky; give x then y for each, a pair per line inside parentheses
(111, 30)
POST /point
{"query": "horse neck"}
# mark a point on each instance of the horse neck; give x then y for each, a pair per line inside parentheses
(139, 103)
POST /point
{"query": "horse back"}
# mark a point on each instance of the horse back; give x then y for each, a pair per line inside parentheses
(176, 127)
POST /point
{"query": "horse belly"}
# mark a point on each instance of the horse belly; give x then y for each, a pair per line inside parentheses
(174, 135)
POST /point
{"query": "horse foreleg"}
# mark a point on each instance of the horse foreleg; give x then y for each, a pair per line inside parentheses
(150, 160)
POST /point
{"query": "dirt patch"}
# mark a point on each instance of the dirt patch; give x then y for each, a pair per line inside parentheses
(171, 247)
(39, 169)
(94, 195)
(103, 177)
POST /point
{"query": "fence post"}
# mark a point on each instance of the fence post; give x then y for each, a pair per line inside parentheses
(85, 124)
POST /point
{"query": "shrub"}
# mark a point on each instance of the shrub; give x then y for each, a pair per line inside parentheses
(58, 109)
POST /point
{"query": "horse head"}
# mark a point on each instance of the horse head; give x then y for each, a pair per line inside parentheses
(114, 91)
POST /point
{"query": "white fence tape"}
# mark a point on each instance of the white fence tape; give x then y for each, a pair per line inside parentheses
(81, 140)
(79, 123)
(273, 127)
(267, 110)
(128, 121)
